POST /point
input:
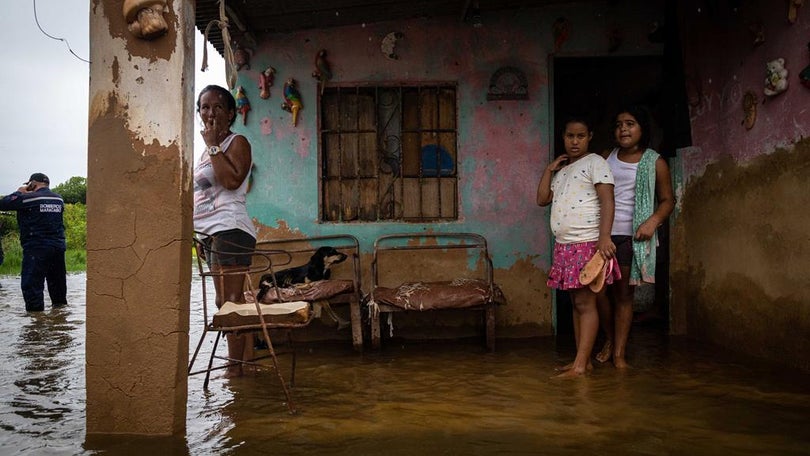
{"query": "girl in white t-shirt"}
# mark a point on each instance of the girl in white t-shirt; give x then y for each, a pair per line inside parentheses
(581, 218)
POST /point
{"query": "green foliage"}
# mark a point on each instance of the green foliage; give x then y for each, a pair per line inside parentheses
(13, 258)
(75, 218)
(73, 191)
(8, 223)
(75, 260)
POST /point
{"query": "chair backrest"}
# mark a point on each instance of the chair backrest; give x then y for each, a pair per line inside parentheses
(301, 249)
(262, 262)
(452, 256)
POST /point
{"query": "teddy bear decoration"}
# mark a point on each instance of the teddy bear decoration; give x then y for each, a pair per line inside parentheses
(776, 79)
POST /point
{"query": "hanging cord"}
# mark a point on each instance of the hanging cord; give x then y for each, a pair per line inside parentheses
(36, 19)
(230, 66)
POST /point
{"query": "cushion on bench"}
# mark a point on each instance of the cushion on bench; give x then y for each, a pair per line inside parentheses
(233, 314)
(313, 291)
(458, 294)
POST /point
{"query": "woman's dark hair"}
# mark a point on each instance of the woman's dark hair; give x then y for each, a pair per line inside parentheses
(577, 118)
(642, 117)
(229, 99)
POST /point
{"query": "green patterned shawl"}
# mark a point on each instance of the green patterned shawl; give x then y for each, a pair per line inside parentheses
(643, 267)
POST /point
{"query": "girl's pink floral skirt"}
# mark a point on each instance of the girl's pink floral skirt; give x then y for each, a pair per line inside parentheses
(569, 259)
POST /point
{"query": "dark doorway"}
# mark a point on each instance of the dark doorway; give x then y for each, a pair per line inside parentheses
(597, 87)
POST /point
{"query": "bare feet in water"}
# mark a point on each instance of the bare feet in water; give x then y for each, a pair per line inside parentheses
(620, 363)
(570, 366)
(573, 373)
(232, 372)
(606, 353)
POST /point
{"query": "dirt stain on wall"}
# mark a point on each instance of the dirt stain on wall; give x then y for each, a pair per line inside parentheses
(741, 256)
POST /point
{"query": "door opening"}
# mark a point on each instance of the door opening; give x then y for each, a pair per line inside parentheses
(598, 87)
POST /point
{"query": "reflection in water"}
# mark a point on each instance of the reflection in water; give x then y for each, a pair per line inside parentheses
(42, 365)
(42, 348)
(415, 398)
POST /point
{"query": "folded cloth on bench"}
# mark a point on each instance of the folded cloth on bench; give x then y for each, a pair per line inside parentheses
(458, 294)
(312, 291)
(233, 314)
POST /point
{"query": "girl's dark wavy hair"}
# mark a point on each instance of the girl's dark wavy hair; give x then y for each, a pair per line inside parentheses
(642, 116)
(229, 99)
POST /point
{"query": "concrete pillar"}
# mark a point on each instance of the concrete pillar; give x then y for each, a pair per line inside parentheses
(139, 207)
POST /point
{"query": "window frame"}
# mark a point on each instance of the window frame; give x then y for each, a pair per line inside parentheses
(445, 196)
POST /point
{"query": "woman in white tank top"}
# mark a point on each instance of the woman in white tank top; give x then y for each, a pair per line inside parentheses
(220, 184)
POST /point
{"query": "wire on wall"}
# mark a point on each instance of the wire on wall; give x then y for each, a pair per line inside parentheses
(36, 19)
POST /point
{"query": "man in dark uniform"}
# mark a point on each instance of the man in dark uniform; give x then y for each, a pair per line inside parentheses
(42, 235)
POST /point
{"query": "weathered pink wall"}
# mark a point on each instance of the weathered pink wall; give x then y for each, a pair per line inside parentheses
(503, 145)
(740, 250)
(722, 63)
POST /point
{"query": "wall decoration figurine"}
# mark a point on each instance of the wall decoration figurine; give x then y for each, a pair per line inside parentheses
(776, 80)
(242, 104)
(749, 106)
(757, 29)
(804, 76)
(266, 79)
(322, 71)
(508, 83)
(793, 10)
(292, 100)
(145, 18)
(389, 43)
(560, 30)
(241, 57)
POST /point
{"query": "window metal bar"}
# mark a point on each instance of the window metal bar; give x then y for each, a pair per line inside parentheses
(438, 152)
(357, 179)
(340, 155)
(427, 134)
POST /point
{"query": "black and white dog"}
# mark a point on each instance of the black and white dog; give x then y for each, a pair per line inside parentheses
(318, 268)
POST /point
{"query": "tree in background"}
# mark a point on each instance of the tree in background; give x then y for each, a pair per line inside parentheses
(75, 217)
(73, 191)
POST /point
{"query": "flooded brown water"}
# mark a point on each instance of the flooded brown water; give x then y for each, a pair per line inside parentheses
(448, 398)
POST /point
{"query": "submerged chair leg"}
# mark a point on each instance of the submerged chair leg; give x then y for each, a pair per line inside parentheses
(211, 360)
(490, 326)
(290, 405)
(357, 325)
(196, 351)
(294, 353)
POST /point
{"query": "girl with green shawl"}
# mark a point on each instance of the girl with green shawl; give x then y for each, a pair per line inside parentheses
(641, 179)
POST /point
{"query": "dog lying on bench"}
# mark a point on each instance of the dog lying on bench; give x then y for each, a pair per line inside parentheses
(318, 268)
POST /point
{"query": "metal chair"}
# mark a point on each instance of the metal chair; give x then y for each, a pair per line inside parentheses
(249, 317)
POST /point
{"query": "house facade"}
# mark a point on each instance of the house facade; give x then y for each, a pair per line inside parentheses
(444, 123)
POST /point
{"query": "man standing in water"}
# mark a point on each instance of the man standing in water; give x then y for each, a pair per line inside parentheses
(42, 236)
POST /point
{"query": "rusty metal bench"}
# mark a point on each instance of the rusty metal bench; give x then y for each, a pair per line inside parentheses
(466, 282)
